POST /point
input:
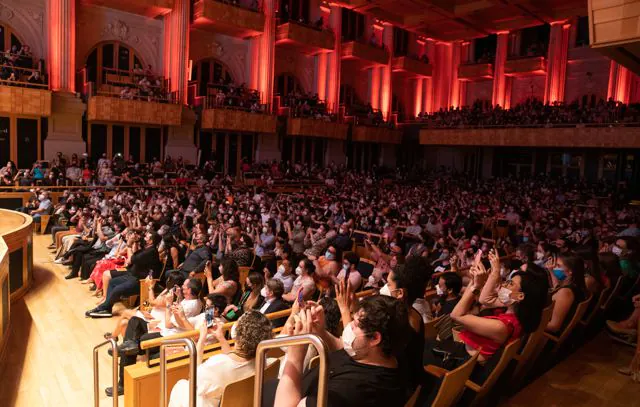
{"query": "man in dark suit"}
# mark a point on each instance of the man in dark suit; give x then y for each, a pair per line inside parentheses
(273, 301)
(196, 259)
(125, 283)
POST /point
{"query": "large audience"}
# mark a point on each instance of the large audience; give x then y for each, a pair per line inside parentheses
(533, 112)
(484, 256)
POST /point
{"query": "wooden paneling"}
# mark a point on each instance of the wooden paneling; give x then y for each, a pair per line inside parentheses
(609, 137)
(365, 52)
(308, 39)
(474, 72)
(5, 302)
(111, 109)
(238, 120)
(25, 101)
(225, 18)
(406, 64)
(525, 66)
(316, 128)
(147, 8)
(376, 135)
(16, 232)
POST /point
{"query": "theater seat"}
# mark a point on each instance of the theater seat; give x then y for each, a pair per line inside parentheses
(240, 393)
(559, 341)
(452, 382)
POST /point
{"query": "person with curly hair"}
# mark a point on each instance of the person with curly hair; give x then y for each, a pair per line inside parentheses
(231, 365)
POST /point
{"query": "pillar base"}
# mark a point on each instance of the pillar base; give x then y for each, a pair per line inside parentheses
(65, 126)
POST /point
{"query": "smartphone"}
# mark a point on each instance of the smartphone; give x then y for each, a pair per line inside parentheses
(301, 298)
(208, 316)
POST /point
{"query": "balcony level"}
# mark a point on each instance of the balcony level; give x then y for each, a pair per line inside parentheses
(525, 66)
(25, 101)
(588, 137)
(372, 134)
(238, 120)
(412, 66)
(304, 38)
(228, 19)
(147, 8)
(114, 109)
(365, 52)
(308, 127)
(475, 72)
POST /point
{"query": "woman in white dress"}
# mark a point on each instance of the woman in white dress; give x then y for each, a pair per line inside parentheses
(229, 366)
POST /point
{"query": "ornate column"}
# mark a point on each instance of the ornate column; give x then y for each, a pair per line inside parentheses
(385, 73)
(267, 52)
(619, 83)
(321, 75)
(65, 123)
(557, 62)
(176, 48)
(417, 103)
(499, 80)
(334, 59)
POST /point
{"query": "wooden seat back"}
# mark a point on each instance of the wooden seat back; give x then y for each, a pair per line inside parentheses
(617, 288)
(533, 347)
(453, 384)
(602, 298)
(240, 393)
(559, 341)
(507, 354)
(431, 329)
(244, 273)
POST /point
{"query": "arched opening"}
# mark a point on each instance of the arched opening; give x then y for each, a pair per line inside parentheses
(18, 66)
(210, 73)
(287, 84)
(111, 58)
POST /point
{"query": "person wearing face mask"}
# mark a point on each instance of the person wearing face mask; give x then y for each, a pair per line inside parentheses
(364, 368)
(624, 249)
(265, 240)
(241, 252)
(304, 272)
(350, 271)
(45, 207)
(296, 236)
(252, 298)
(274, 289)
(568, 290)
(197, 258)
(327, 265)
(343, 241)
(284, 273)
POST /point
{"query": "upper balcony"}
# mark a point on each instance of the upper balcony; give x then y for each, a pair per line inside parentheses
(310, 127)
(412, 66)
(475, 72)
(23, 91)
(525, 66)
(372, 134)
(227, 19)
(112, 109)
(239, 111)
(147, 8)
(365, 52)
(304, 38)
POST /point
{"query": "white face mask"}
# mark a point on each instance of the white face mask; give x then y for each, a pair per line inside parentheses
(345, 267)
(233, 330)
(539, 255)
(264, 230)
(348, 337)
(298, 270)
(439, 291)
(616, 250)
(385, 291)
(504, 295)
(263, 292)
(281, 269)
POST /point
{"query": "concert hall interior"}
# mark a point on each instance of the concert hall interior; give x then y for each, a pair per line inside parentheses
(236, 203)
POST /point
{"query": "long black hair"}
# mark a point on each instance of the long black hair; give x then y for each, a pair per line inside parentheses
(535, 289)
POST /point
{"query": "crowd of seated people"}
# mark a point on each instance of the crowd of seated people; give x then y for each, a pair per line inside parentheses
(561, 243)
(533, 113)
(141, 84)
(307, 105)
(229, 95)
(368, 116)
(17, 68)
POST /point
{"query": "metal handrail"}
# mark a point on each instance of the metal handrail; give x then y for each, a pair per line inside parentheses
(96, 384)
(191, 348)
(308, 339)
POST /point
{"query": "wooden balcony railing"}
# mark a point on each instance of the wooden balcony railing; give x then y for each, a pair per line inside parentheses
(525, 66)
(25, 101)
(237, 119)
(372, 134)
(411, 65)
(308, 39)
(308, 127)
(364, 52)
(475, 72)
(576, 136)
(228, 19)
(147, 8)
(112, 109)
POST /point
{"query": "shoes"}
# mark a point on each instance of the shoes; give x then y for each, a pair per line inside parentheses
(58, 261)
(67, 262)
(51, 246)
(98, 313)
(109, 391)
(128, 348)
(617, 328)
(70, 276)
(87, 281)
(92, 287)
(625, 371)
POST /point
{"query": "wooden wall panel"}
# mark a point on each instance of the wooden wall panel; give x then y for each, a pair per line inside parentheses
(316, 128)
(354, 49)
(216, 16)
(376, 135)
(25, 101)
(609, 137)
(238, 120)
(475, 71)
(525, 66)
(411, 65)
(110, 109)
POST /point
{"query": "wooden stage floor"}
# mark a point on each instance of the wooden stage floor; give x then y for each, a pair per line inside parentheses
(49, 355)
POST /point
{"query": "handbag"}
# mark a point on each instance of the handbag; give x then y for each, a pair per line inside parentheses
(453, 354)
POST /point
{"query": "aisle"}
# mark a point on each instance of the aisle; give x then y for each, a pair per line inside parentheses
(588, 378)
(49, 354)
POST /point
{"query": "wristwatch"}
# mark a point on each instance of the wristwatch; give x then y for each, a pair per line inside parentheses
(476, 291)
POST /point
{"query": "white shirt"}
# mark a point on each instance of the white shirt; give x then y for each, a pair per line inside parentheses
(265, 306)
(286, 280)
(422, 306)
(191, 308)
